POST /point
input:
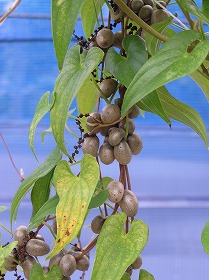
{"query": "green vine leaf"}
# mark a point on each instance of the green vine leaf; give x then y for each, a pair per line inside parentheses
(74, 194)
(191, 7)
(202, 80)
(87, 97)
(205, 237)
(145, 275)
(205, 7)
(48, 208)
(183, 113)
(126, 276)
(42, 108)
(38, 173)
(5, 252)
(89, 15)
(152, 42)
(166, 66)
(64, 16)
(125, 248)
(40, 192)
(98, 199)
(37, 273)
(119, 65)
(76, 70)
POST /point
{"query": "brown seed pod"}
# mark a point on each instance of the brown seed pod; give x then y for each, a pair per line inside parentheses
(110, 113)
(136, 5)
(134, 112)
(67, 265)
(129, 203)
(83, 263)
(97, 223)
(105, 129)
(129, 270)
(115, 191)
(93, 44)
(145, 12)
(105, 38)
(135, 143)
(92, 121)
(40, 237)
(36, 247)
(118, 40)
(138, 263)
(122, 153)
(106, 154)
(27, 265)
(54, 225)
(131, 125)
(108, 87)
(21, 235)
(122, 91)
(115, 136)
(90, 145)
(9, 263)
(56, 259)
(158, 16)
(162, 3)
(149, 2)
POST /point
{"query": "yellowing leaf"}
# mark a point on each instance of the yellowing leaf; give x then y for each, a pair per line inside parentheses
(74, 194)
(5, 252)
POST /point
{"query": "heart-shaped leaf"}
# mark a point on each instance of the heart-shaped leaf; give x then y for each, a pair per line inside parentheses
(64, 16)
(145, 275)
(5, 252)
(74, 194)
(119, 65)
(42, 108)
(89, 15)
(205, 237)
(191, 7)
(39, 172)
(115, 250)
(76, 69)
(37, 273)
(98, 199)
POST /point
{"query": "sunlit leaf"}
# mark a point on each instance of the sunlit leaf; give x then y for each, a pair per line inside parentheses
(37, 273)
(191, 7)
(145, 275)
(48, 208)
(183, 113)
(40, 192)
(89, 15)
(87, 97)
(75, 193)
(126, 276)
(166, 66)
(39, 172)
(42, 108)
(76, 70)
(113, 241)
(125, 68)
(5, 252)
(205, 237)
(64, 16)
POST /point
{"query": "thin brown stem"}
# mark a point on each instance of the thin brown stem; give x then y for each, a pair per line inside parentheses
(87, 249)
(139, 21)
(12, 8)
(10, 156)
(204, 70)
(127, 225)
(128, 178)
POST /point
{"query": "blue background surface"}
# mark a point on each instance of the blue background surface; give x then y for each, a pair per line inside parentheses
(170, 177)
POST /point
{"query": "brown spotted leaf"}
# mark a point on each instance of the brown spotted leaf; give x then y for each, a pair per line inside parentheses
(74, 194)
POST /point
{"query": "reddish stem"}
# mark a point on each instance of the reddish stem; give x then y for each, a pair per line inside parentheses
(128, 178)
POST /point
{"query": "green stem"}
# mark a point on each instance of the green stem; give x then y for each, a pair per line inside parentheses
(49, 229)
(186, 14)
(202, 30)
(70, 131)
(6, 229)
(139, 21)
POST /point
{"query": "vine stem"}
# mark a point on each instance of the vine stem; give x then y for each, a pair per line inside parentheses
(139, 21)
(11, 159)
(128, 178)
(88, 248)
(12, 8)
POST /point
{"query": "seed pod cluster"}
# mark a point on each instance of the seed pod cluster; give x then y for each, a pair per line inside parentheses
(148, 11)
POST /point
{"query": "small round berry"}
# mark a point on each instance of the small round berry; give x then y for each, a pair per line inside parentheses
(97, 223)
(105, 38)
